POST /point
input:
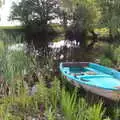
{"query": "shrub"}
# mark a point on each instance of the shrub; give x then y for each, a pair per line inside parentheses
(58, 28)
(106, 61)
(117, 55)
(109, 52)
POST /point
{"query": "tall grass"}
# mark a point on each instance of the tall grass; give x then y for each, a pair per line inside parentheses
(46, 102)
(116, 112)
(68, 104)
(75, 108)
(117, 55)
(50, 113)
(55, 92)
(96, 112)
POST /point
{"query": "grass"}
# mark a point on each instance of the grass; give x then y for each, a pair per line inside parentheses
(53, 102)
(11, 27)
(75, 108)
(68, 104)
(46, 102)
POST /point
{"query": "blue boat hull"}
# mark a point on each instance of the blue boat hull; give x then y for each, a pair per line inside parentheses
(93, 77)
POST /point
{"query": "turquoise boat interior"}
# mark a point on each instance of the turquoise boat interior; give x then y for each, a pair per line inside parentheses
(91, 74)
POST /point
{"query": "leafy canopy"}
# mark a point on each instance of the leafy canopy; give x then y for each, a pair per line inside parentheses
(39, 11)
(110, 15)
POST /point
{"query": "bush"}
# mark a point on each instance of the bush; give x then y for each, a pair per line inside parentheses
(58, 28)
(109, 52)
(117, 55)
(106, 61)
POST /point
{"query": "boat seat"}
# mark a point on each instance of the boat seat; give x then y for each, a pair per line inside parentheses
(90, 73)
(78, 74)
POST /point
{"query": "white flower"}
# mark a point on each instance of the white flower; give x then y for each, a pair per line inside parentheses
(61, 56)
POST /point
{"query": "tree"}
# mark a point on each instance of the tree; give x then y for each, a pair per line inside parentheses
(35, 16)
(40, 11)
(84, 17)
(110, 16)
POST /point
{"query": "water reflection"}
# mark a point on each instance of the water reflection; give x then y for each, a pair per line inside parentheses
(62, 50)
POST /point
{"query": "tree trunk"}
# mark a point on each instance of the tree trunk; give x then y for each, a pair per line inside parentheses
(94, 40)
(110, 34)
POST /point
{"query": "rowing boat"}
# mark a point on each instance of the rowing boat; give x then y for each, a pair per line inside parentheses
(93, 77)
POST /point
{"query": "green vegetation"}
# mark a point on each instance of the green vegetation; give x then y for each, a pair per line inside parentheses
(29, 92)
(58, 28)
(18, 101)
(11, 27)
(31, 86)
(110, 56)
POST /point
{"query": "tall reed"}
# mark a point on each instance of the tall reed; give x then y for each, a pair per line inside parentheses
(75, 108)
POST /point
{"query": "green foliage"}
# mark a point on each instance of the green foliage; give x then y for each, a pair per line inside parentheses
(11, 27)
(106, 61)
(21, 105)
(55, 93)
(2, 48)
(68, 103)
(110, 56)
(38, 11)
(117, 55)
(42, 94)
(77, 108)
(107, 58)
(58, 39)
(4, 112)
(50, 113)
(11, 35)
(109, 51)
(35, 15)
(89, 14)
(116, 113)
(14, 63)
(107, 118)
(86, 13)
(18, 62)
(110, 15)
(82, 107)
(103, 32)
(95, 112)
(58, 28)
(84, 17)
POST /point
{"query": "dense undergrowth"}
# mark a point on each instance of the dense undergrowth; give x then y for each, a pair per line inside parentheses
(109, 55)
(28, 92)
(24, 97)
